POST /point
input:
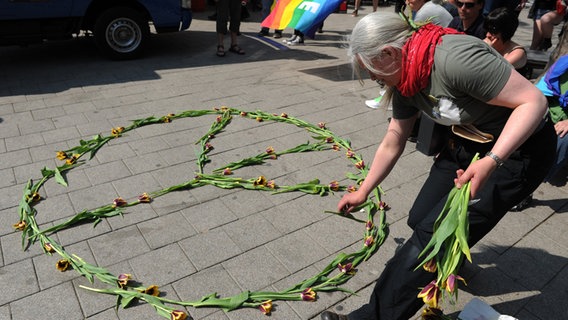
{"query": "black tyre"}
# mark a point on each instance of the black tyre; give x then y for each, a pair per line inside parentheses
(121, 33)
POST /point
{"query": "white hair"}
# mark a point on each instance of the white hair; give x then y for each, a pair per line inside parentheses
(371, 35)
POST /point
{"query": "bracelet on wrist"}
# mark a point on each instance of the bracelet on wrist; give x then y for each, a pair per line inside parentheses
(495, 158)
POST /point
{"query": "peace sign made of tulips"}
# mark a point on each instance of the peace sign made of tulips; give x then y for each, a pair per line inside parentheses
(127, 290)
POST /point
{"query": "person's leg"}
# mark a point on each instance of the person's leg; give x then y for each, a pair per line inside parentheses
(356, 10)
(222, 18)
(234, 25)
(375, 5)
(395, 294)
(547, 23)
(264, 12)
(536, 35)
(561, 157)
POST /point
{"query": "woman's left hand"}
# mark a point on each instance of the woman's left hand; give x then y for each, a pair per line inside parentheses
(561, 128)
(477, 173)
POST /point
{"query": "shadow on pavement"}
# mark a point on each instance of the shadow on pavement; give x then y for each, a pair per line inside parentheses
(48, 68)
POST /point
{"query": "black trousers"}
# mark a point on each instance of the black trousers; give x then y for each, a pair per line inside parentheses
(394, 295)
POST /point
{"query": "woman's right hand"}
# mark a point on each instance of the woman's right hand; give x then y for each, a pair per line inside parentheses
(350, 201)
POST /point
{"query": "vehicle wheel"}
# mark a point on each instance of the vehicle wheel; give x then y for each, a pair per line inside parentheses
(121, 33)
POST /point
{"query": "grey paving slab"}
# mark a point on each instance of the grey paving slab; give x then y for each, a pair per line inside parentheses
(20, 276)
(170, 261)
(166, 229)
(200, 247)
(255, 269)
(107, 248)
(251, 231)
(12, 248)
(205, 282)
(64, 307)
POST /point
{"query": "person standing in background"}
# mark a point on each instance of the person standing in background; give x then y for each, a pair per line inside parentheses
(264, 12)
(545, 14)
(470, 18)
(228, 12)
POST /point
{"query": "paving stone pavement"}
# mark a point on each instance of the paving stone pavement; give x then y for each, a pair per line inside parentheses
(195, 242)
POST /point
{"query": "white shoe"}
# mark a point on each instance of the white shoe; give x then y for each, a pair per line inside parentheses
(374, 103)
(292, 38)
(297, 41)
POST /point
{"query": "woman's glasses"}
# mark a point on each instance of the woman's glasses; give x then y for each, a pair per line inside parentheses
(468, 5)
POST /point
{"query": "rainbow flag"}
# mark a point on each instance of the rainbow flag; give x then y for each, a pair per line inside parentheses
(301, 15)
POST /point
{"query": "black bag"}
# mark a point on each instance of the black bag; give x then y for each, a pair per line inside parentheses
(431, 136)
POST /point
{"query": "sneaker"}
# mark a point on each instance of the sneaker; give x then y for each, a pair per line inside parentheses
(292, 38)
(263, 32)
(297, 41)
(277, 35)
(374, 103)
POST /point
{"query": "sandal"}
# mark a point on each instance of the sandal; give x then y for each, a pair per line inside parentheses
(220, 51)
(236, 49)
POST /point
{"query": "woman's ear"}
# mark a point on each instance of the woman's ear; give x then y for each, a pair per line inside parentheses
(390, 51)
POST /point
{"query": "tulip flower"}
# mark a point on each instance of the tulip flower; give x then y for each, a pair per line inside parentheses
(345, 268)
(329, 140)
(369, 225)
(321, 125)
(308, 294)
(351, 189)
(152, 290)
(227, 171)
(430, 313)
(258, 119)
(360, 165)
(430, 266)
(369, 241)
(266, 307)
(117, 131)
(61, 155)
(350, 154)
(243, 114)
(145, 198)
(20, 225)
(34, 197)
(62, 265)
(334, 185)
(271, 184)
(270, 150)
(119, 202)
(430, 294)
(72, 159)
(123, 279)
(48, 247)
(283, 115)
(261, 181)
(178, 315)
(335, 147)
(451, 282)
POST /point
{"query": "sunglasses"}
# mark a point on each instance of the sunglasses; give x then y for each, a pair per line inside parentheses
(468, 5)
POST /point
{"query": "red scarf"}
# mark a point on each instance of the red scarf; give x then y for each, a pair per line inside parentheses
(418, 57)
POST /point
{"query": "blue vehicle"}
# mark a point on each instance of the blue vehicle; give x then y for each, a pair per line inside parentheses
(121, 28)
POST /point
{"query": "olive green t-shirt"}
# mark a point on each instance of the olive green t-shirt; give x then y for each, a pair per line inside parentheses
(465, 75)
